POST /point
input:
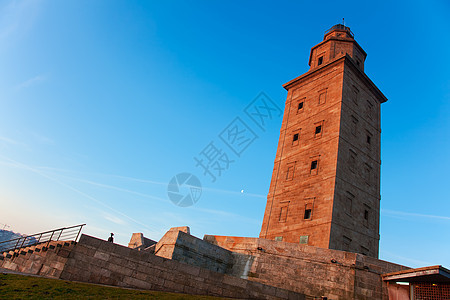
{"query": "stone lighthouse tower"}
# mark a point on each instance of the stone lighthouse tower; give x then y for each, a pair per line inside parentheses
(325, 188)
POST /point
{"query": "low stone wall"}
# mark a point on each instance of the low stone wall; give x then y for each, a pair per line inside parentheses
(97, 261)
(305, 269)
(139, 242)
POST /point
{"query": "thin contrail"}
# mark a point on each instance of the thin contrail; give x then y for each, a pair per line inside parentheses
(410, 214)
(158, 182)
(112, 187)
(59, 171)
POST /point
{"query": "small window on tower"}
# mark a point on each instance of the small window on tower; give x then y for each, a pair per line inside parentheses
(369, 109)
(320, 61)
(290, 173)
(352, 160)
(318, 129)
(367, 173)
(346, 243)
(322, 96)
(364, 250)
(301, 104)
(354, 125)
(314, 167)
(307, 215)
(295, 137)
(366, 215)
(283, 214)
(349, 203)
(308, 210)
(354, 95)
(369, 138)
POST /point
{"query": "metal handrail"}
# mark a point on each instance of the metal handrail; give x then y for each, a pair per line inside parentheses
(42, 237)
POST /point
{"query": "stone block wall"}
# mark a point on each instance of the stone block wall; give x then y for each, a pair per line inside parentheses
(139, 242)
(305, 269)
(183, 247)
(97, 261)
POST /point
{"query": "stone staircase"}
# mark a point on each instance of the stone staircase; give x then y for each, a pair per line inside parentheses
(43, 253)
(45, 259)
(41, 247)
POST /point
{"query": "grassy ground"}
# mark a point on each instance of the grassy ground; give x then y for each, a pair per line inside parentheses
(14, 286)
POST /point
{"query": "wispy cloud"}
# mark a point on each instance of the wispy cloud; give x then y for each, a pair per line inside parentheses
(112, 187)
(31, 81)
(415, 215)
(8, 140)
(5, 140)
(114, 219)
(42, 139)
(404, 259)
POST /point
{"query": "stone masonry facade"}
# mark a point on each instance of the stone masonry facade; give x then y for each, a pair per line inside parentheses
(325, 188)
(313, 271)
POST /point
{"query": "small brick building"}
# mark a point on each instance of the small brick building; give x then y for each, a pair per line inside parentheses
(325, 188)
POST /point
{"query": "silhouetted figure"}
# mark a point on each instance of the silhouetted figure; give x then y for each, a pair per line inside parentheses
(111, 239)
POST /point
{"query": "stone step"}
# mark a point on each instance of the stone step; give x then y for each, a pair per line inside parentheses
(44, 246)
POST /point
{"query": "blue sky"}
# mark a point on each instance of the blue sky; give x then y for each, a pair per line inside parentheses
(103, 102)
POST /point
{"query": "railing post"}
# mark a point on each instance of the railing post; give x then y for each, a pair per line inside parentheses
(60, 234)
(24, 239)
(48, 243)
(79, 230)
(17, 244)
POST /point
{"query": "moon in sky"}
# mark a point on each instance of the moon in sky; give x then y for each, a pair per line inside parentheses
(242, 191)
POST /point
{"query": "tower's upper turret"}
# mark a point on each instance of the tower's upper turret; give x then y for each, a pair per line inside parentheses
(337, 41)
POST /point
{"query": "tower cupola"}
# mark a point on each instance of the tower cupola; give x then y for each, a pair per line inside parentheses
(338, 41)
